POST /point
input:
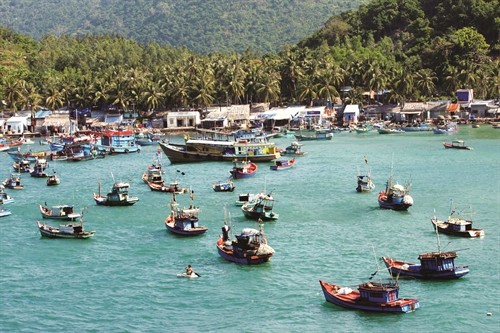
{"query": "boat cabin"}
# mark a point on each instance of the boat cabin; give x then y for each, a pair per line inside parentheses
(459, 224)
(378, 292)
(119, 192)
(71, 228)
(62, 210)
(248, 239)
(437, 261)
(186, 219)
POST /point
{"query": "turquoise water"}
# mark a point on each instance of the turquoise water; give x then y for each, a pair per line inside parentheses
(124, 279)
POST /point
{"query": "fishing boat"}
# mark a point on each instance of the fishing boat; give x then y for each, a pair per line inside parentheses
(243, 198)
(395, 196)
(390, 130)
(294, 149)
(365, 183)
(4, 212)
(122, 141)
(249, 248)
(433, 265)
(13, 182)
(370, 296)
(72, 230)
(445, 129)
(53, 179)
(243, 169)
(456, 226)
(22, 165)
(317, 135)
(38, 169)
(283, 164)
(222, 146)
(5, 198)
(260, 209)
(59, 212)
(154, 171)
(149, 139)
(118, 196)
(184, 221)
(172, 187)
(224, 186)
(456, 144)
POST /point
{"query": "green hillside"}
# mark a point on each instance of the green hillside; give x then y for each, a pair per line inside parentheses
(200, 25)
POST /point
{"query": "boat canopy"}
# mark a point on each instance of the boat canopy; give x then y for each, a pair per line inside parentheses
(250, 232)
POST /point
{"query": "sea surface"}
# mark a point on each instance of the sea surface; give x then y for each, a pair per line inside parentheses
(124, 279)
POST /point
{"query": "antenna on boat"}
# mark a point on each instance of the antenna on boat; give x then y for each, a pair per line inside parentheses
(376, 262)
(437, 235)
(112, 176)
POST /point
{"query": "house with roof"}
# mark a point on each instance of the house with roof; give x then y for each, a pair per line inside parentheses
(350, 114)
(227, 116)
(182, 119)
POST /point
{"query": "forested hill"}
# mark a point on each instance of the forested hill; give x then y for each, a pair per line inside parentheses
(200, 25)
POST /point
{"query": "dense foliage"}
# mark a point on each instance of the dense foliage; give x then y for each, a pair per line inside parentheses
(200, 25)
(405, 47)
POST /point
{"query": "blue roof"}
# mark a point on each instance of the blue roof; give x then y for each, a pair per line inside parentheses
(42, 114)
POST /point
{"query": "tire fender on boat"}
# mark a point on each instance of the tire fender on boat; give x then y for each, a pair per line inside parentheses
(127, 151)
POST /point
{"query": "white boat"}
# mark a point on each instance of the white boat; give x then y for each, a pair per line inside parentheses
(4, 212)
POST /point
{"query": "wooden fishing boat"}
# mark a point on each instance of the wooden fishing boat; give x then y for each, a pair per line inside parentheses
(457, 227)
(5, 198)
(59, 212)
(23, 165)
(53, 179)
(260, 209)
(445, 129)
(118, 196)
(243, 169)
(395, 196)
(294, 149)
(224, 186)
(365, 183)
(370, 296)
(38, 169)
(283, 164)
(221, 146)
(172, 187)
(154, 171)
(114, 141)
(389, 130)
(318, 135)
(249, 248)
(184, 221)
(4, 212)
(73, 230)
(243, 198)
(456, 144)
(13, 182)
(433, 265)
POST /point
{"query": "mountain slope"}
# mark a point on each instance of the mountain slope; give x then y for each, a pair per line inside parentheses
(200, 25)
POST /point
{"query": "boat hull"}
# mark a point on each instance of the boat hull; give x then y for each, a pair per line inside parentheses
(103, 201)
(191, 232)
(400, 268)
(447, 228)
(252, 260)
(178, 154)
(350, 301)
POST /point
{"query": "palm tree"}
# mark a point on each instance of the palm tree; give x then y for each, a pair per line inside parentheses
(153, 95)
(307, 90)
(424, 80)
(55, 98)
(13, 92)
